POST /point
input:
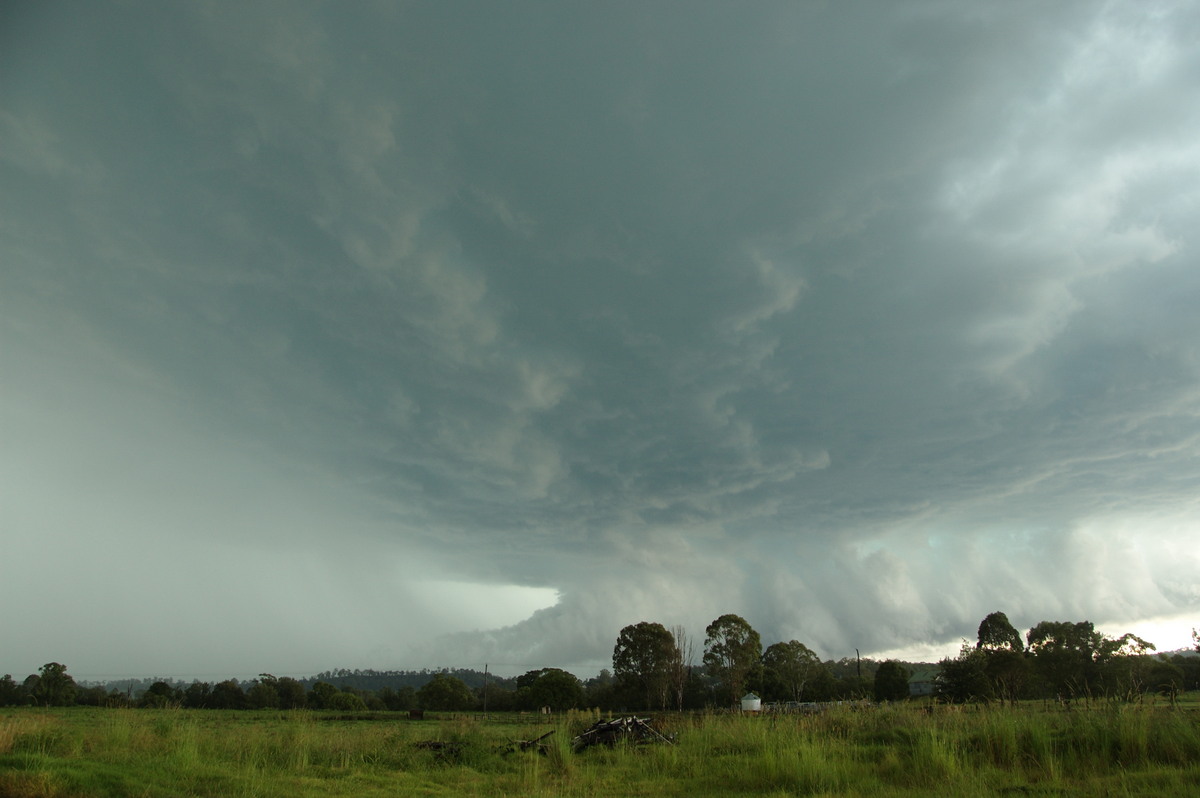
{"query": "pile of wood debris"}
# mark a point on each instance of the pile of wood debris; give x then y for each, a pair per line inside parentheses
(611, 732)
(443, 750)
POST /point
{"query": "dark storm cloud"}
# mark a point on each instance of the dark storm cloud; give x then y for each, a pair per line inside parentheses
(860, 320)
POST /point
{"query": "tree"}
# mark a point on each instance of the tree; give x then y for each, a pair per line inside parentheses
(1007, 671)
(445, 692)
(197, 695)
(495, 697)
(556, 689)
(1124, 665)
(1076, 660)
(291, 693)
(343, 701)
(679, 668)
(227, 695)
(996, 633)
(1164, 677)
(600, 690)
(963, 679)
(891, 681)
(54, 688)
(787, 669)
(1189, 666)
(319, 695)
(1065, 654)
(11, 693)
(1003, 655)
(92, 696)
(697, 692)
(642, 660)
(732, 651)
(400, 700)
(160, 694)
(263, 694)
(822, 686)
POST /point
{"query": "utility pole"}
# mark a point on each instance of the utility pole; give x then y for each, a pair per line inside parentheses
(485, 667)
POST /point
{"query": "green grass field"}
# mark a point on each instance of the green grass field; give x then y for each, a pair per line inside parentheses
(883, 751)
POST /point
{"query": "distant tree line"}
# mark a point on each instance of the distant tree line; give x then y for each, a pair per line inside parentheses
(1061, 660)
(654, 669)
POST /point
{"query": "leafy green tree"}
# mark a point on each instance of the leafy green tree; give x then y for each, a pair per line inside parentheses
(642, 663)
(1005, 663)
(996, 633)
(1076, 660)
(1164, 677)
(854, 688)
(891, 681)
(160, 694)
(11, 693)
(787, 669)
(344, 701)
(822, 686)
(732, 653)
(600, 690)
(1123, 664)
(55, 687)
(390, 699)
(522, 697)
(227, 695)
(291, 693)
(963, 679)
(556, 689)
(1065, 655)
(1008, 672)
(526, 679)
(319, 695)
(263, 694)
(1189, 665)
(198, 695)
(445, 692)
(92, 696)
(499, 698)
(697, 691)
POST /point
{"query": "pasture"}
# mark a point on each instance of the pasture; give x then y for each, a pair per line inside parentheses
(902, 750)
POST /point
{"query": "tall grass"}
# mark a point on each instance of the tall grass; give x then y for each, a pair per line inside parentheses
(885, 751)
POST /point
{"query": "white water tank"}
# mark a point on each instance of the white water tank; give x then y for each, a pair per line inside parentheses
(751, 703)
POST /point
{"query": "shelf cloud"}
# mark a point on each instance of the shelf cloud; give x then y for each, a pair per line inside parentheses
(403, 335)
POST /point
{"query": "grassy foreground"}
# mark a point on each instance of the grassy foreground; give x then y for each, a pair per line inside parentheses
(885, 751)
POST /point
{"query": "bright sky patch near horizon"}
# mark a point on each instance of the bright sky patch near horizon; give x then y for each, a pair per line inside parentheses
(426, 334)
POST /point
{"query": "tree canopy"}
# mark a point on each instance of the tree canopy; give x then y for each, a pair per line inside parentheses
(643, 660)
(445, 692)
(787, 669)
(995, 632)
(732, 653)
(549, 687)
(891, 681)
(54, 687)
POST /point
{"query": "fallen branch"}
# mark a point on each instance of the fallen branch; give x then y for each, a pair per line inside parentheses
(525, 745)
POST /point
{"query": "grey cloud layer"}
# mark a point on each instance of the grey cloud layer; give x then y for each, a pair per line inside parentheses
(794, 310)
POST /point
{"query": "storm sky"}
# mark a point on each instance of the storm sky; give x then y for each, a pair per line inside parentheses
(385, 334)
